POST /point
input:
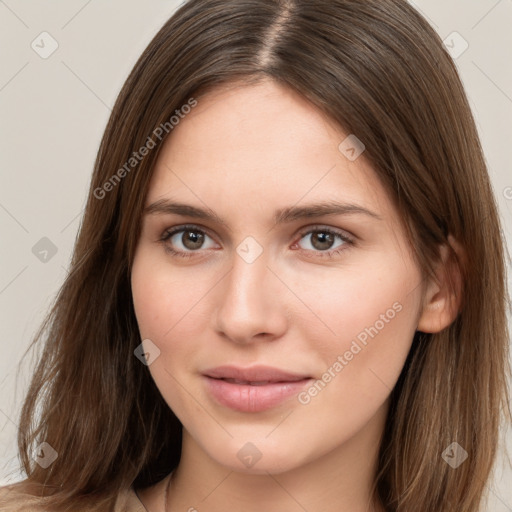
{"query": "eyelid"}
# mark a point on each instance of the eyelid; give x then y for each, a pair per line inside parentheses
(343, 233)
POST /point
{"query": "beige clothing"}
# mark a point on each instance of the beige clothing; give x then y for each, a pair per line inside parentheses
(127, 501)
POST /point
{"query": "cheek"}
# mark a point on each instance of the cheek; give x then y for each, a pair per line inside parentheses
(377, 293)
(171, 308)
(164, 307)
(373, 312)
(359, 376)
(164, 298)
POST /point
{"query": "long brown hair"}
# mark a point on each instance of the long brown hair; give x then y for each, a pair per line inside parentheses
(381, 72)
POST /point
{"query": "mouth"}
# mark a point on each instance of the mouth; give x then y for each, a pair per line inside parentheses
(253, 383)
(253, 389)
(255, 375)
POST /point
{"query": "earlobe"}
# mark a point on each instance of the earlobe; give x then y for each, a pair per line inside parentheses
(442, 300)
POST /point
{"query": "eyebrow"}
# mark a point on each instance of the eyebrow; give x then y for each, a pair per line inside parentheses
(281, 216)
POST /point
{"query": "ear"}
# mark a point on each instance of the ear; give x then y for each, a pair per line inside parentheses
(442, 298)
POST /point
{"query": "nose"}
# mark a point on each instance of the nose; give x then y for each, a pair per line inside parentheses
(251, 302)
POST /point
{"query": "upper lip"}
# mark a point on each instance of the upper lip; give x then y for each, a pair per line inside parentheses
(254, 374)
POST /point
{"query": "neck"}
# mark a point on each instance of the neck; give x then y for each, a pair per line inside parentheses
(340, 480)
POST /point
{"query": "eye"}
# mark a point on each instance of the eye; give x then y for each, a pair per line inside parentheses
(184, 241)
(191, 239)
(321, 240)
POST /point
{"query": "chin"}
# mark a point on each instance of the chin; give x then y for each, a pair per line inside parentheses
(258, 456)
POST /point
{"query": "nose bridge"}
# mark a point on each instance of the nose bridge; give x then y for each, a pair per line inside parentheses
(249, 302)
(248, 281)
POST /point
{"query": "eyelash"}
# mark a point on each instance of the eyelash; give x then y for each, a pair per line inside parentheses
(168, 234)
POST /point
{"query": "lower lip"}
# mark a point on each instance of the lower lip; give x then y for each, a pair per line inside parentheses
(247, 398)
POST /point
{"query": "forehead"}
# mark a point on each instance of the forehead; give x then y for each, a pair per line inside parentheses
(256, 145)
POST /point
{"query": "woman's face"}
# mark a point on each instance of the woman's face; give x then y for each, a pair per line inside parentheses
(278, 329)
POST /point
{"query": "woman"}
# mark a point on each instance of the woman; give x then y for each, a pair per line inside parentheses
(288, 288)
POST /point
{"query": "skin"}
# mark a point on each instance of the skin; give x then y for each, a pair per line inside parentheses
(245, 152)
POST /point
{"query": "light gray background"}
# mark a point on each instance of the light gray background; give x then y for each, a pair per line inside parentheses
(53, 112)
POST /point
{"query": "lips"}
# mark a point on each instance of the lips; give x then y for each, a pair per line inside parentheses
(253, 389)
(248, 382)
(254, 374)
